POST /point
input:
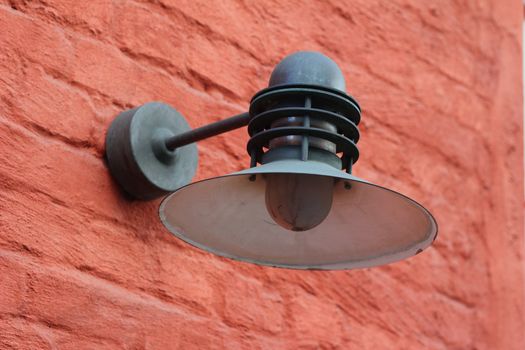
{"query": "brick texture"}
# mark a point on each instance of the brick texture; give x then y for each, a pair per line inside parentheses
(82, 267)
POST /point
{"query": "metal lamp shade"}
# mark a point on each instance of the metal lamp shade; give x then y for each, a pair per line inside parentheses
(368, 225)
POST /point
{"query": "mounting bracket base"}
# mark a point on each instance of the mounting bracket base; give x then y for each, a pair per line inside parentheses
(137, 155)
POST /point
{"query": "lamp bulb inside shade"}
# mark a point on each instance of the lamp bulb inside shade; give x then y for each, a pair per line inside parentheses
(298, 202)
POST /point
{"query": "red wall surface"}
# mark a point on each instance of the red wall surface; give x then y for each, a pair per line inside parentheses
(82, 267)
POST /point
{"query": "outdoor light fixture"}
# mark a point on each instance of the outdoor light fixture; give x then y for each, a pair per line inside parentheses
(297, 206)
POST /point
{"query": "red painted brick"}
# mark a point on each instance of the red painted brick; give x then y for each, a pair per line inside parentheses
(92, 18)
(137, 28)
(13, 290)
(261, 308)
(81, 266)
(105, 248)
(69, 300)
(10, 331)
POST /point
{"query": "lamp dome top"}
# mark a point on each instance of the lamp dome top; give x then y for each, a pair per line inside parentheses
(308, 67)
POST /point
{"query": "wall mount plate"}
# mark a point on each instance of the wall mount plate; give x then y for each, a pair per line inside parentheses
(138, 157)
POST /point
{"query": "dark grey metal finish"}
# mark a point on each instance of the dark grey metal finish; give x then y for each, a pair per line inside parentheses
(313, 116)
(368, 226)
(305, 105)
(206, 131)
(137, 154)
(151, 151)
(297, 209)
(308, 67)
(303, 67)
(295, 152)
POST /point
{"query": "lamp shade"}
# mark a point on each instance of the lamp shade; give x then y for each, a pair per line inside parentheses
(367, 225)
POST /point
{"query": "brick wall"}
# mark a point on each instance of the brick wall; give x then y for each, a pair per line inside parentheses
(83, 267)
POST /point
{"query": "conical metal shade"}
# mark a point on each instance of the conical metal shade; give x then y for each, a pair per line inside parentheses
(367, 225)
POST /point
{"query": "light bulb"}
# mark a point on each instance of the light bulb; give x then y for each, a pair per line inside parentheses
(298, 202)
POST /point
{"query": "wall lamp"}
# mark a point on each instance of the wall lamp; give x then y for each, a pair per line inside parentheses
(298, 205)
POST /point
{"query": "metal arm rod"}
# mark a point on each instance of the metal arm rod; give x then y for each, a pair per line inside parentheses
(206, 131)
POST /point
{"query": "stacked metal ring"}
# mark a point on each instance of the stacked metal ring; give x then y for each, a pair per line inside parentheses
(312, 104)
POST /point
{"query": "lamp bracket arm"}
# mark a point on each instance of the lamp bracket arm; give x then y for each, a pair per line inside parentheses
(207, 131)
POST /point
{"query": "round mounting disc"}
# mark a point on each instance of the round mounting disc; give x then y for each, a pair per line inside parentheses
(137, 156)
(368, 225)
